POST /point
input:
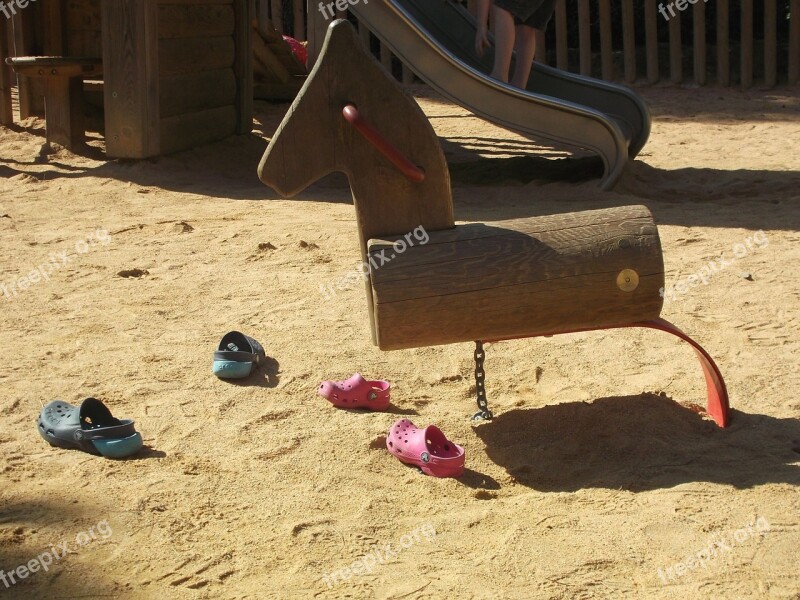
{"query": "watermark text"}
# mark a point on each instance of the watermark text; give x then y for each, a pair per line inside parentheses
(379, 555)
(57, 260)
(716, 547)
(55, 553)
(376, 261)
(706, 273)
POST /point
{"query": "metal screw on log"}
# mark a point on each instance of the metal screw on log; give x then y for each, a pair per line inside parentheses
(484, 414)
(382, 145)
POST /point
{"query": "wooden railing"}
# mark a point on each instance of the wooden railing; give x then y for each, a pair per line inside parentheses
(631, 41)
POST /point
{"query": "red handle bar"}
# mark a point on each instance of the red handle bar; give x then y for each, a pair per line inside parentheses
(405, 166)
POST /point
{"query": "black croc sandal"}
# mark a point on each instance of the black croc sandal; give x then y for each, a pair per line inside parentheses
(89, 427)
(238, 356)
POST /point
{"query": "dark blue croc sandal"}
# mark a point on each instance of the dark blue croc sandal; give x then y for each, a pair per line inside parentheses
(238, 356)
(89, 427)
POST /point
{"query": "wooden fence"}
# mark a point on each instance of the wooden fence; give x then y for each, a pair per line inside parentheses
(632, 41)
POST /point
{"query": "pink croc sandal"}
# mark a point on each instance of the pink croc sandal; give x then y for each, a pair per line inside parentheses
(427, 448)
(357, 392)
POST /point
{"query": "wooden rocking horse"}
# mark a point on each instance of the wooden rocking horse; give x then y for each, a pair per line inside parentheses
(540, 276)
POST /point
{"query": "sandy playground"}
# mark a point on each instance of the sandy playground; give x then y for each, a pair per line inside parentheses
(597, 479)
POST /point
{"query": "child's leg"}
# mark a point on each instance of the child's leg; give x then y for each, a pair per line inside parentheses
(504, 34)
(526, 49)
(527, 34)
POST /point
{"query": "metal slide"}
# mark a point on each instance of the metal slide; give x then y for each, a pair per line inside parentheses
(436, 39)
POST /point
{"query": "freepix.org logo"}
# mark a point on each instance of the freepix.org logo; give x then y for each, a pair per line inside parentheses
(46, 559)
(10, 9)
(341, 6)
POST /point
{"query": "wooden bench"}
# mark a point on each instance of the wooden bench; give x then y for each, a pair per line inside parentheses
(63, 77)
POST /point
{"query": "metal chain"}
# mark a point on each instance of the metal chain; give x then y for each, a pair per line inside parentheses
(480, 385)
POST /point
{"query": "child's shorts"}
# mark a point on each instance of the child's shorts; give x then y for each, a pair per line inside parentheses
(533, 13)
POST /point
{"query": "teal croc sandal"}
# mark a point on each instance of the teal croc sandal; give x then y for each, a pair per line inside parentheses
(89, 427)
(238, 356)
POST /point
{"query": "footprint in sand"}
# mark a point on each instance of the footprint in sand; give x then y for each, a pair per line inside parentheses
(215, 570)
(269, 417)
(25, 178)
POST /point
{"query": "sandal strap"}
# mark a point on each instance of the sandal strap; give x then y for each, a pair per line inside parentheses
(433, 459)
(236, 356)
(443, 462)
(377, 393)
(126, 428)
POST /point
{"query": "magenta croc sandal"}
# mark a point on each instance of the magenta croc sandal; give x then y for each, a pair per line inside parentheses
(357, 392)
(427, 448)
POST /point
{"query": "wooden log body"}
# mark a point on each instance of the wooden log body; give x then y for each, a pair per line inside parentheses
(526, 277)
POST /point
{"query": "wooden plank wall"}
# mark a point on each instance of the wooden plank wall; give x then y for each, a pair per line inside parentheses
(178, 73)
(198, 75)
(756, 57)
(83, 33)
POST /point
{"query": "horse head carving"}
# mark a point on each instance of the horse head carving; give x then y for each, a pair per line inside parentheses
(316, 139)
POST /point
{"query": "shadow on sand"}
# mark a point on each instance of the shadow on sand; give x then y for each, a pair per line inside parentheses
(639, 443)
(227, 170)
(23, 527)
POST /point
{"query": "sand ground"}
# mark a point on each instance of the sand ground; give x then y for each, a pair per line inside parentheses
(597, 472)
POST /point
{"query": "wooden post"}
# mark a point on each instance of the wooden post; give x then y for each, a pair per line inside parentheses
(262, 14)
(794, 43)
(699, 27)
(363, 34)
(299, 26)
(6, 112)
(585, 37)
(540, 55)
(723, 44)
(562, 43)
(408, 75)
(386, 57)
(675, 49)
(64, 111)
(770, 43)
(651, 39)
(606, 43)
(243, 40)
(629, 40)
(130, 65)
(23, 46)
(317, 26)
(746, 28)
(277, 15)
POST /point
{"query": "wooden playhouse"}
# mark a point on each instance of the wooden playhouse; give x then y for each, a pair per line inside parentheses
(172, 73)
